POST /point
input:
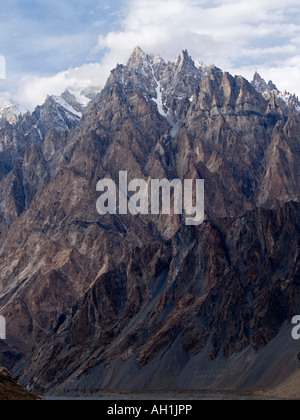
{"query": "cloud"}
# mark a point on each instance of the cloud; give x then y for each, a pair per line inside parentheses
(40, 39)
(237, 35)
(4, 99)
(286, 76)
(33, 90)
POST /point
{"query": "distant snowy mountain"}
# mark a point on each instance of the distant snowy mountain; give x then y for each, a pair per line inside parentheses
(11, 111)
(20, 129)
(79, 99)
(69, 107)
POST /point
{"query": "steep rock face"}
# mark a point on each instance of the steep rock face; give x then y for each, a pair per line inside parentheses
(134, 285)
(29, 141)
(281, 165)
(237, 295)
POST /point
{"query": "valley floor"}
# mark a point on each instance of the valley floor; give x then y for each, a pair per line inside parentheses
(281, 393)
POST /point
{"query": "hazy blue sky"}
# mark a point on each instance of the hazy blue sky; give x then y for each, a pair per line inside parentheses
(50, 45)
(44, 37)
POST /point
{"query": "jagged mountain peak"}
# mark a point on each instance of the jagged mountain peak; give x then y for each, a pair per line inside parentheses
(185, 59)
(138, 52)
(261, 85)
(174, 85)
(161, 82)
(10, 111)
(158, 59)
(137, 58)
(288, 102)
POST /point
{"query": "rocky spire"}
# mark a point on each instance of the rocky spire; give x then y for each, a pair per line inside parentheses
(137, 58)
(184, 61)
(261, 85)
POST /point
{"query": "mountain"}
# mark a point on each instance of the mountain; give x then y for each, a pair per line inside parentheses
(23, 134)
(10, 111)
(62, 111)
(290, 103)
(126, 303)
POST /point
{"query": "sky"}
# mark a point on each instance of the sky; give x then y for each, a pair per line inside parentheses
(49, 46)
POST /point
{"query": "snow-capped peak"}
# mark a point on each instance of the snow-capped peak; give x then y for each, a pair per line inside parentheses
(80, 98)
(64, 104)
(74, 101)
(158, 60)
(200, 64)
(10, 111)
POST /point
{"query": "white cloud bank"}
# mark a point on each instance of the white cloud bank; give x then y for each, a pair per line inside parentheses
(239, 36)
(33, 90)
